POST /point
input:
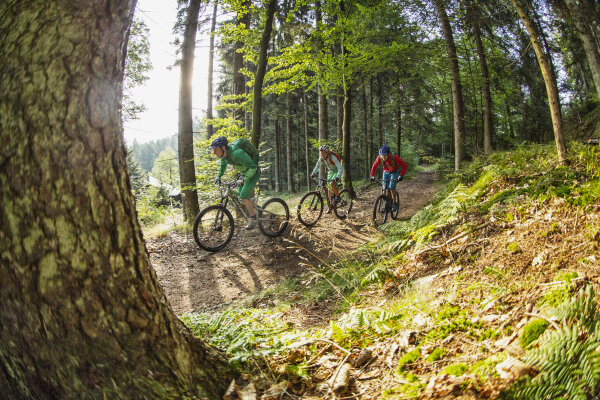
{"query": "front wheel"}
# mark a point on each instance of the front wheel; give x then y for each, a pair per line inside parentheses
(344, 205)
(273, 217)
(310, 208)
(213, 228)
(381, 210)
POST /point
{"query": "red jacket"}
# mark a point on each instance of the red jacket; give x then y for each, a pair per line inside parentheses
(387, 165)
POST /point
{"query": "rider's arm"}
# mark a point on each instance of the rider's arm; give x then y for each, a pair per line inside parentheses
(375, 165)
(240, 157)
(338, 165)
(402, 163)
(317, 166)
(224, 164)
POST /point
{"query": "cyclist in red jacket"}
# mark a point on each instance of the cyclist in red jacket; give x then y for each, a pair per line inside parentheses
(394, 169)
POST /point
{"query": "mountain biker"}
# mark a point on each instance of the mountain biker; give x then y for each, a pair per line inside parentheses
(243, 163)
(394, 169)
(332, 163)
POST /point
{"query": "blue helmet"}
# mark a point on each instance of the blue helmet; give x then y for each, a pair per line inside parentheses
(384, 150)
(219, 142)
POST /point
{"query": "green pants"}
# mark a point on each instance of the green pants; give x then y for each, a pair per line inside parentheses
(247, 191)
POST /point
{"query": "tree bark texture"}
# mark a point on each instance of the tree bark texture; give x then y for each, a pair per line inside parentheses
(366, 161)
(83, 315)
(460, 151)
(277, 158)
(488, 128)
(187, 171)
(261, 69)
(549, 79)
(582, 15)
(288, 134)
(239, 86)
(211, 57)
(306, 141)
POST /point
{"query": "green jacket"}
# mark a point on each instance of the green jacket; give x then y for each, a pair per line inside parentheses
(240, 161)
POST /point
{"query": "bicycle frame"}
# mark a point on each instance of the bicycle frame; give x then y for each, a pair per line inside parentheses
(322, 187)
(227, 193)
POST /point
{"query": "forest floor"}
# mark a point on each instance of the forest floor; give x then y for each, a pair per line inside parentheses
(198, 281)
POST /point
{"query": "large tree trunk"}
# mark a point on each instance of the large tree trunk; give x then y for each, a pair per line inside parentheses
(187, 171)
(582, 14)
(83, 315)
(460, 151)
(211, 57)
(549, 79)
(399, 131)
(261, 69)
(488, 129)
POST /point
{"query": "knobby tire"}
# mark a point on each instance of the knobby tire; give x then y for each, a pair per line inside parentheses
(310, 208)
(213, 228)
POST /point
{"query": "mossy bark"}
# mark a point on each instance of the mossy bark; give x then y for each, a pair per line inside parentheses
(83, 315)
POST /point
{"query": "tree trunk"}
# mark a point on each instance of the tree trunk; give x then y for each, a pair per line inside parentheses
(239, 86)
(211, 56)
(187, 171)
(288, 134)
(346, 142)
(582, 16)
(367, 164)
(339, 113)
(277, 157)
(460, 151)
(488, 128)
(83, 314)
(306, 141)
(261, 69)
(399, 131)
(379, 119)
(549, 79)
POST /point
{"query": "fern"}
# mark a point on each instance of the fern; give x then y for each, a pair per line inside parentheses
(567, 359)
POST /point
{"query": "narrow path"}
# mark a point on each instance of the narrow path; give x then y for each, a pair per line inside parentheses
(195, 280)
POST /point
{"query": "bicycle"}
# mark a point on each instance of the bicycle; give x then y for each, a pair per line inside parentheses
(214, 225)
(310, 207)
(384, 205)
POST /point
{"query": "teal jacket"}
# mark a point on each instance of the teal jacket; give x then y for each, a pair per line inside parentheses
(240, 161)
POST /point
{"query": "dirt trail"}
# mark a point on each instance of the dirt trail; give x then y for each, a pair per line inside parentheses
(195, 280)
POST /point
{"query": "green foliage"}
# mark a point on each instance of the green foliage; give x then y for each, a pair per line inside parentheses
(242, 333)
(166, 167)
(409, 358)
(532, 331)
(559, 292)
(153, 205)
(137, 65)
(436, 355)
(410, 389)
(456, 369)
(567, 358)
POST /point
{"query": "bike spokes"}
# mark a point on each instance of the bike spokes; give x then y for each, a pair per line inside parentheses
(213, 228)
(273, 217)
(380, 210)
(344, 204)
(310, 208)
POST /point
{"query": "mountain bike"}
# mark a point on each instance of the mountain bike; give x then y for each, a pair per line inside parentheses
(384, 205)
(310, 207)
(214, 225)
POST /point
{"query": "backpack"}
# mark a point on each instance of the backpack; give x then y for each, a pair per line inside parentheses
(247, 147)
(336, 155)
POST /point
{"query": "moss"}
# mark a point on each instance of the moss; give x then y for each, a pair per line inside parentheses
(436, 355)
(409, 358)
(532, 331)
(456, 369)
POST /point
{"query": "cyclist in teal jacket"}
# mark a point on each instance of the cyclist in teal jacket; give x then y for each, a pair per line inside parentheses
(332, 163)
(246, 166)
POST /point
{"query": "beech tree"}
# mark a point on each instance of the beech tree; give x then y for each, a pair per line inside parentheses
(83, 315)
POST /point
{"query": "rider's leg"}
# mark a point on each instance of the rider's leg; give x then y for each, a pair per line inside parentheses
(246, 193)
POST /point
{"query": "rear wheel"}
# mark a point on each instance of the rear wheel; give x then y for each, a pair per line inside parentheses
(213, 228)
(273, 217)
(343, 207)
(310, 208)
(380, 210)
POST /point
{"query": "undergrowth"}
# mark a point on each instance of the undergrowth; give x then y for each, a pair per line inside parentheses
(500, 188)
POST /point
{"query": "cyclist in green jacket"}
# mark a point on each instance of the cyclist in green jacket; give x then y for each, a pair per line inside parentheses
(246, 166)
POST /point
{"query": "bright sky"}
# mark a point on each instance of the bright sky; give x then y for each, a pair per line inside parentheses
(160, 94)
